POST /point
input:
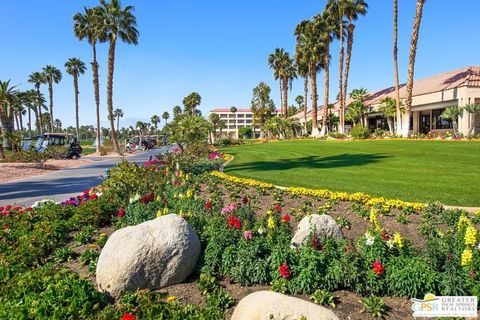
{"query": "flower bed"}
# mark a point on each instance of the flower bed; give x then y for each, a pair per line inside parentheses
(245, 227)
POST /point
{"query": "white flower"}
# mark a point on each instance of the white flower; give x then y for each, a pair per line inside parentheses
(136, 198)
(389, 244)
(369, 239)
(41, 203)
(261, 230)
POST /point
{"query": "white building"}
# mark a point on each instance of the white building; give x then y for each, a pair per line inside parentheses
(234, 121)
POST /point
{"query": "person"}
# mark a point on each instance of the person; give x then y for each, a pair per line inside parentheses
(75, 147)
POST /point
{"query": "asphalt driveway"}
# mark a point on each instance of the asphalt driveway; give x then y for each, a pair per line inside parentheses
(63, 184)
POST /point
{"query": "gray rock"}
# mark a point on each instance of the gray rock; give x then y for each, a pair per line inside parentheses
(151, 255)
(266, 305)
(323, 226)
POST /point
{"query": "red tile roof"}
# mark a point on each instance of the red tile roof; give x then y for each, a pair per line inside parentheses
(216, 110)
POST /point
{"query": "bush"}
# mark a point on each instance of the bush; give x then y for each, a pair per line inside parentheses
(360, 132)
(56, 152)
(337, 135)
(30, 156)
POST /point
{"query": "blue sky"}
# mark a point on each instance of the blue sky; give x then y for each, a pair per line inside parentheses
(220, 48)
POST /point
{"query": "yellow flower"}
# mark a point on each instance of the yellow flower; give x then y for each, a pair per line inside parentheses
(103, 234)
(471, 236)
(159, 198)
(92, 246)
(477, 213)
(374, 218)
(269, 212)
(162, 212)
(397, 240)
(271, 223)
(189, 193)
(467, 257)
(463, 221)
(171, 298)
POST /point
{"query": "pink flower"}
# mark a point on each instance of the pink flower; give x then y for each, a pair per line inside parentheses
(120, 213)
(229, 208)
(247, 235)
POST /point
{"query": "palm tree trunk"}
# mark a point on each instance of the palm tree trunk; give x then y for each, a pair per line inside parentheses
(411, 67)
(30, 122)
(305, 98)
(118, 122)
(15, 114)
(340, 78)
(313, 83)
(395, 65)
(20, 118)
(350, 31)
(281, 94)
(50, 92)
(96, 87)
(285, 98)
(39, 113)
(75, 85)
(111, 66)
(326, 89)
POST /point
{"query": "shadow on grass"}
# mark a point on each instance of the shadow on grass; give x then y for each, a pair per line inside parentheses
(310, 162)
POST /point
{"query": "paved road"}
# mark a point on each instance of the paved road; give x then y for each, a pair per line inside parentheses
(62, 184)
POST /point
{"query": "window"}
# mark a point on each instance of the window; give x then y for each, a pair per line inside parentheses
(439, 122)
(411, 121)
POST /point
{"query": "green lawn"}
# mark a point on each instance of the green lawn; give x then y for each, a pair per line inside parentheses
(425, 171)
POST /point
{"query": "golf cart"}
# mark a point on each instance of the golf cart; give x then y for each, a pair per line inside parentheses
(73, 149)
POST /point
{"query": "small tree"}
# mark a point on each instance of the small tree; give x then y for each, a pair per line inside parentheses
(452, 113)
(474, 111)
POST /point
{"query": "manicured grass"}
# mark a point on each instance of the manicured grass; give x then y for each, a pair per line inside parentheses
(410, 170)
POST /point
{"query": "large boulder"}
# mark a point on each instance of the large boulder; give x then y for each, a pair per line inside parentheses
(321, 225)
(266, 305)
(151, 255)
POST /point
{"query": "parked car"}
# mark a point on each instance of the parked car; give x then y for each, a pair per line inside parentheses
(73, 150)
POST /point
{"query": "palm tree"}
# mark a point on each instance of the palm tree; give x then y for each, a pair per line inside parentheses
(411, 67)
(90, 26)
(221, 125)
(165, 117)
(351, 9)
(119, 23)
(117, 114)
(310, 51)
(154, 120)
(387, 107)
(359, 96)
(58, 124)
(395, 65)
(30, 102)
(191, 102)
(53, 75)
(75, 67)
(214, 119)
(8, 95)
(263, 107)
(38, 78)
(328, 28)
(302, 71)
(474, 111)
(284, 71)
(452, 113)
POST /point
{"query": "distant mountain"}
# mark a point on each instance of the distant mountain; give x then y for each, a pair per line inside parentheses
(125, 122)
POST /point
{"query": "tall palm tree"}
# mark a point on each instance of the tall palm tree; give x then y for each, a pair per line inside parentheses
(58, 124)
(395, 65)
(177, 112)
(38, 78)
(165, 117)
(284, 71)
(30, 102)
(352, 10)
(8, 95)
(154, 120)
(191, 102)
(310, 51)
(75, 67)
(117, 114)
(302, 71)
(411, 67)
(120, 23)
(328, 28)
(53, 75)
(90, 26)
(474, 111)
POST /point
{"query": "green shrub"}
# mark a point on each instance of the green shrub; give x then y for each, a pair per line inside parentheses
(375, 306)
(323, 297)
(360, 132)
(337, 135)
(410, 277)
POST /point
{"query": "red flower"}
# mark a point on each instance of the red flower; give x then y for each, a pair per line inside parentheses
(234, 222)
(245, 200)
(378, 267)
(86, 191)
(286, 218)
(208, 205)
(93, 197)
(385, 235)
(472, 275)
(128, 316)
(284, 271)
(314, 242)
(28, 209)
(1, 208)
(8, 208)
(17, 208)
(120, 213)
(278, 208)
(149, 197)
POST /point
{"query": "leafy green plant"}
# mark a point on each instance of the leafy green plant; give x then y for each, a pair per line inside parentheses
(85, 235)
(89, 256)
(324, 297)
(401, 218)
(343, 222)
(360, 132)
(360, 210)
(207, 284)
(375, 306)
(63, 254)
